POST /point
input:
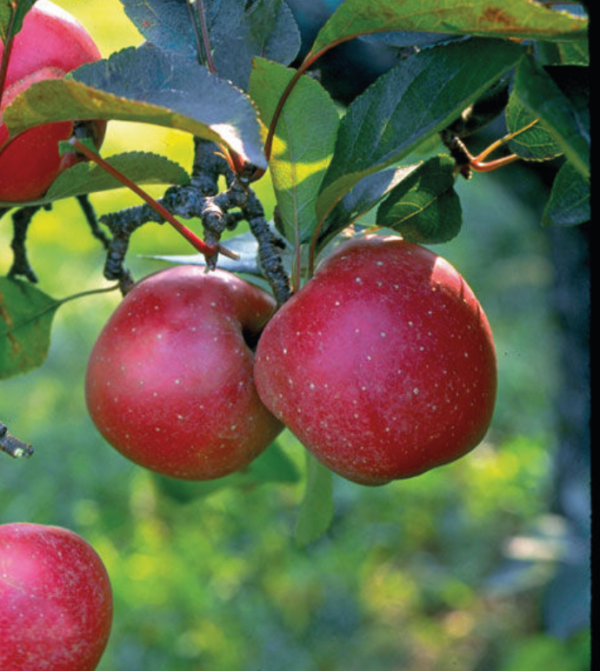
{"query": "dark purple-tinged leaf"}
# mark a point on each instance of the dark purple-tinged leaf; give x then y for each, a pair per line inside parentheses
(12, 14)
(559, 97)
(146, 85)
(26, 315)
(424, 207)
(488, 18)
(302, 146)
(569, 203)
(269, 30)
(176, 25)
(412, 102)
(236, 34)
(166, 23)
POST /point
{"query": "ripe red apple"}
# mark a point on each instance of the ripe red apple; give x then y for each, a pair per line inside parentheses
(383, 365)
(55, 600)
(50, 44)
(170, 379)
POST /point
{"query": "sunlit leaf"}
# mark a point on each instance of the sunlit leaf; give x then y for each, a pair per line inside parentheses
(302, 146)
(146, 85)
(511, 18)
(140, 167)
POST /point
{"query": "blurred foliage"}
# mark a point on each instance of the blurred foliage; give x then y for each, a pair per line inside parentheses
(444, 571)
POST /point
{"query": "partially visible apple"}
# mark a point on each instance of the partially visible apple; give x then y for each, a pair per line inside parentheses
(50, 44)
(55, 600)
(170, 379)
(383, 365)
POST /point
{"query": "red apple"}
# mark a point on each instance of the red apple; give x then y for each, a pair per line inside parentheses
(383, 365)
(170, 379)
(50, 44)
(55, 600)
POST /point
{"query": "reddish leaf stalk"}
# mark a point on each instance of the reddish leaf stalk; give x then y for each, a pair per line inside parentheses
(201, 12)
(309, 60)
(199, 244)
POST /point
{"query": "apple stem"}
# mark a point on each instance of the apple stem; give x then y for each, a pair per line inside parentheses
(208, 251)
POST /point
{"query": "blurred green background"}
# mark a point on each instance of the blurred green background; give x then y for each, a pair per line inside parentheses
(450, 570)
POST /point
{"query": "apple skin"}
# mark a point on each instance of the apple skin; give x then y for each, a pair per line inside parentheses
(383, 365)
(55, 600)
(50, 44)
(170, 379)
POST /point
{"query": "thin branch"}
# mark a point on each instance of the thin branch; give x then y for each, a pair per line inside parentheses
(13, 446)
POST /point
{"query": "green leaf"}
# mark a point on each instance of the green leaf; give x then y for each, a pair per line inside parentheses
(303, 143)
(26, 316)
(576, 52)
(412, 102)
(272, 466)
(11, 20)
(146, 85)
(316, 509)
(360, 200)
(140, 167)
(424, 207)
(565, 113)
(87, 177)
(488, 18)
(569, 203)
(534, 144)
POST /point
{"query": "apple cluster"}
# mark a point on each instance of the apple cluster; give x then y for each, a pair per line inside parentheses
(50, 44)
(383, 365)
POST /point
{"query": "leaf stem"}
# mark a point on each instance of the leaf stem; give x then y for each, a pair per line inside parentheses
(198, 18)
(199, 244)
(309, 59)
